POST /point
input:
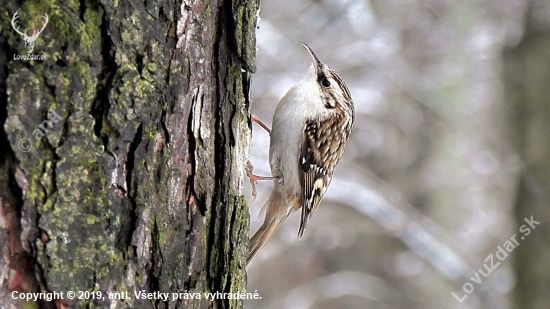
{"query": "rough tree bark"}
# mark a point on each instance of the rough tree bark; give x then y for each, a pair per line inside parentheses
(527, 72)
(137, 184)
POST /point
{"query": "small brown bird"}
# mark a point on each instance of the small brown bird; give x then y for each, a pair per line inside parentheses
(311, 127)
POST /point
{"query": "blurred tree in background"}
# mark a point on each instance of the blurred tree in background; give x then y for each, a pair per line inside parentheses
(527, 81)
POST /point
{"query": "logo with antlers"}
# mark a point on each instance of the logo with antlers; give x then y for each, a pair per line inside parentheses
(29, 40)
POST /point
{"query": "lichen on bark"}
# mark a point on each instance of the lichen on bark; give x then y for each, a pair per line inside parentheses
(139, 185)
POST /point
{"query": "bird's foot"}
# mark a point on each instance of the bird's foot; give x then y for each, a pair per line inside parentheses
(255, 178)
(259, 122)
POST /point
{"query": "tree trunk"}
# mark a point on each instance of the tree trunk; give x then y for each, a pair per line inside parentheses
(527, 73)
(123, 152)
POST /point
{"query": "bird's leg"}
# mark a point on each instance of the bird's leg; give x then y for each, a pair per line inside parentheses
(249, 167)
(255, 178)
(259, 122)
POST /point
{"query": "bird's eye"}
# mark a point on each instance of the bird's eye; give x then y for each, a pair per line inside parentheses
(325, 83)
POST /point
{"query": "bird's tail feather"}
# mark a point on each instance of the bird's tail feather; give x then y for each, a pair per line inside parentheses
(271, 222)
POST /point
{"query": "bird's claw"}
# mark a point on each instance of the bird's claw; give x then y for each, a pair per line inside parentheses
(260, 123)
(254, 179)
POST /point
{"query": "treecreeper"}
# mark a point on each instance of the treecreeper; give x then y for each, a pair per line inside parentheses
(310, 129)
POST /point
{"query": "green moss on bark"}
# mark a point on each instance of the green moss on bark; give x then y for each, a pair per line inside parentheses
(138, 187)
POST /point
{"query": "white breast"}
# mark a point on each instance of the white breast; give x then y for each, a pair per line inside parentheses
(301, 103)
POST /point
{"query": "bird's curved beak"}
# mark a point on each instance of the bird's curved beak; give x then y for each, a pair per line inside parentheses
(316, 63)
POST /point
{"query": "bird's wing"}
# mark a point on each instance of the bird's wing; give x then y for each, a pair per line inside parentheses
(315, 170)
